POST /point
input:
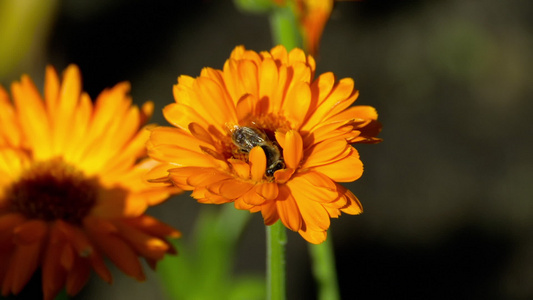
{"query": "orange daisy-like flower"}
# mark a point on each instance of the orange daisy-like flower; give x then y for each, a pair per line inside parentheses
(71, 186)
(266, 134)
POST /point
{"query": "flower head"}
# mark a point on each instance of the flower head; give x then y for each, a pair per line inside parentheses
(71, 186)
(264, 133)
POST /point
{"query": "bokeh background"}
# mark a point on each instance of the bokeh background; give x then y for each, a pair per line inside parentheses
(448, 195)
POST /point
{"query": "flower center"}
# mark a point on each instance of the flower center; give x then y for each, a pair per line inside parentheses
(52, 190)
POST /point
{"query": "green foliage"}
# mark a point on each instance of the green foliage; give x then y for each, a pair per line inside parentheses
(23, 28)
(255, 6)
(203, 267)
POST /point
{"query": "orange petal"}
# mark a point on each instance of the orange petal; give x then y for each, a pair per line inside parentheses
(53, 274)
(77, 238)
(240, 204)
(30, 232)
(78, 277)
(67, 257)
(32, 115)
(314, 215)
(181, 116)
(332, 211)
(11, 133)
(270, 212)
(181, 175)
(288, 210)
(83, 246)
(8, 223)
(293, 151)
(342, 95)
(268, 83)
(303, 191)
(347, 169)
(180, 156)
(248, 78)
(224, 111)
(320, 180)
(253, 198)
(153, 226)
(246, 106)
(69, 96)
(207, 178)
(314, 237)
(258, 161)
(200, 133)
(283, 175)
(232, 189)
(205, 196)
(353, 207)
(51, 88)
(99, 267)
(174, 136)
(144, 244)
(23, 264)
(326, 131)
(158, 173)
(326, 152)
(269, 190)
(297, 55)
(297, 104)
(120, 253)
(363, 112)
(280, 138)
(322, 86)
(240, 167)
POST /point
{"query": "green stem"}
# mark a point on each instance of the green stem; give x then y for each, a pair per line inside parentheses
(285, 29)
(276, 240)
(323, 259)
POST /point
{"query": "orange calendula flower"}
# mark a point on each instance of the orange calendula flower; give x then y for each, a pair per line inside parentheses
(266, 134)
(71, 186)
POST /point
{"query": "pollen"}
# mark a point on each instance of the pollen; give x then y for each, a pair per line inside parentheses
(52, 190)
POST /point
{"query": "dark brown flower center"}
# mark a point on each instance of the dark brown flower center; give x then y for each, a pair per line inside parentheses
(53, 190)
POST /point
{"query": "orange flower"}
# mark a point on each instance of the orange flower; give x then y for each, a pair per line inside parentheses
(265, 134)
(71, 187)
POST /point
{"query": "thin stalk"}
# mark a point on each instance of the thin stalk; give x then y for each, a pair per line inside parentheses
(284, 28)
(286, 32)
(323, 260)
(276, 241)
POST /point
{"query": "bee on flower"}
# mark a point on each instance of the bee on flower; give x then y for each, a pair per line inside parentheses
(266, 135)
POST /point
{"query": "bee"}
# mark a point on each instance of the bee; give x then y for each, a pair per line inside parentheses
(246, 138)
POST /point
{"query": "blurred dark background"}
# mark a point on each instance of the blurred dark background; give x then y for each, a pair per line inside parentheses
(447, 195)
